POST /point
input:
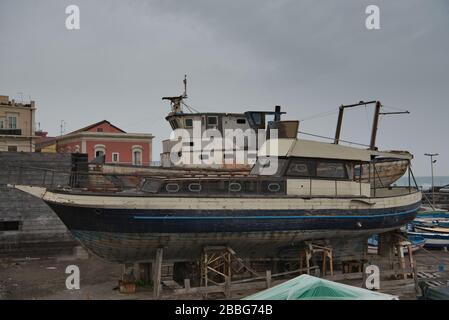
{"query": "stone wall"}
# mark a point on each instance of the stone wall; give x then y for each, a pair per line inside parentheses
(40, 232)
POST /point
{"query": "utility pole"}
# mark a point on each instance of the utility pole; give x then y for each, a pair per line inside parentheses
(431, 155)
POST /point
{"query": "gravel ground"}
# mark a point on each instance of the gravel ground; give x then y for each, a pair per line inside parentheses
(44, 278)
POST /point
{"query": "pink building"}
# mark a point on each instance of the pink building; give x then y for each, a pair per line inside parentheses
(103, 138)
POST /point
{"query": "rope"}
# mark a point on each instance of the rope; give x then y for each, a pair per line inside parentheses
(190, 108)
(320, 115)
(323, 137)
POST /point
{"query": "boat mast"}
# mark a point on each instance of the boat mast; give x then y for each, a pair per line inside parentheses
(177, 101)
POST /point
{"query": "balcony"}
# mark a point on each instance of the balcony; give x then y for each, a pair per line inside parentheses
(11, 132)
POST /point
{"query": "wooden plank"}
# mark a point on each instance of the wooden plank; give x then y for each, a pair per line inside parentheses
(157, 288)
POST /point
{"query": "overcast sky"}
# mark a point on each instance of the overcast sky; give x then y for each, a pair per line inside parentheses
(308, 56)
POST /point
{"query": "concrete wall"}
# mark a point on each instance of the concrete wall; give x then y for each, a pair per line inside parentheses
(40, 231)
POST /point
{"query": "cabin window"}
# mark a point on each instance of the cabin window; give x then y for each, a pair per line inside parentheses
(274, 187)
(241, 121)
(331, 170)
(151, 185)
(189, 123)
(195, 187)
(10, 225)
(300, 168)
(172, 187)
(173, 124)
(357, 171)
(235, 187)
(212, 120)
(257, 118)
(268, 166)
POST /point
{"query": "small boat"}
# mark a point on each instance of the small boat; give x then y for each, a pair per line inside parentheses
(429, 213)
(431, 229)
(433, 240)
(417, 243)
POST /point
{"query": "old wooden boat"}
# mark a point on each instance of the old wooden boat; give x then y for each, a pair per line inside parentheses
(299, 190)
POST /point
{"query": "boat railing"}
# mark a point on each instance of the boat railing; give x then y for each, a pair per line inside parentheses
(193, 184)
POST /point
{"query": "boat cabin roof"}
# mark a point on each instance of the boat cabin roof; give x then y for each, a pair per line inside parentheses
(317, 149)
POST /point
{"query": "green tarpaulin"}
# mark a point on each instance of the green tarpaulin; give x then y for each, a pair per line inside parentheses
(306, 287)
(434, 293)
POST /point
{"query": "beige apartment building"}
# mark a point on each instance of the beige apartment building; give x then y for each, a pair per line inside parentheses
(17, 132)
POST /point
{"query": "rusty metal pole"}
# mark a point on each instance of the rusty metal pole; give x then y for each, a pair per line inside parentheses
(375, 125)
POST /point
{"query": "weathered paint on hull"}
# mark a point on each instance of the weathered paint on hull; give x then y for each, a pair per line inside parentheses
(127, 228)
(134, 247)
(134, 235)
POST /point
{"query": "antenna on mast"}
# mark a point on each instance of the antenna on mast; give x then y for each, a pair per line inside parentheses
(185, 86)
(177, 101)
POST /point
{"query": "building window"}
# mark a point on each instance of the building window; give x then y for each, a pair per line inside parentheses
(100, 150)
(189, 123)
(12, 148)
(137, 158)
(2, 123)
(115, 157)
(137, 155)
(12, 122)
(99, 129)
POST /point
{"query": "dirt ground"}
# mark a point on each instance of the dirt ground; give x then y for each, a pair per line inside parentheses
(44, 278)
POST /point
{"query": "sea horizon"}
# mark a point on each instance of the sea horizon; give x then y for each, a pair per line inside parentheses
(424, 181)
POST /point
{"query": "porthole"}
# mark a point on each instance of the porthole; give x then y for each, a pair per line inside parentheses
(195, 187)
(235, 187)
(274, 187)
(172, 187)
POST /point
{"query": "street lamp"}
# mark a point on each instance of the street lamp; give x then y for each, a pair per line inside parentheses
(431, 155)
